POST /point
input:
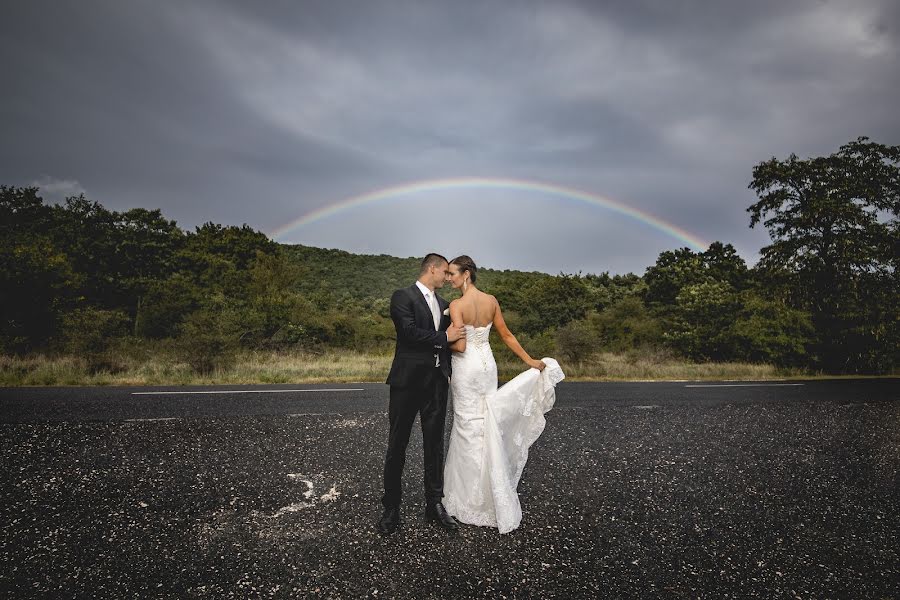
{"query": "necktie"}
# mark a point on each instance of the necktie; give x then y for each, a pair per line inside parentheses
(432, 303)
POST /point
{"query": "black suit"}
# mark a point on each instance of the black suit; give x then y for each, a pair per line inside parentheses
(417, 386)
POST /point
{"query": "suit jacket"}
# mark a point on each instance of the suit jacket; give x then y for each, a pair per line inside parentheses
(417, 339)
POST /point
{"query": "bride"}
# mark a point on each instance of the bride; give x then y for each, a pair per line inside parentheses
(492, 428)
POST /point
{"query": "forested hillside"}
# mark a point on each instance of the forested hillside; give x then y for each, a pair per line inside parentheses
(369, 276)
(82, 280)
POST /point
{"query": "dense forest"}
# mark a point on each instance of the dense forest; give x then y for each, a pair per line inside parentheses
(78, 278)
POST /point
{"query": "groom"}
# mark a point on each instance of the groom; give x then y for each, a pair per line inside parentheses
(419, 383)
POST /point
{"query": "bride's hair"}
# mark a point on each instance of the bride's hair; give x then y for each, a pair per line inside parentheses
(466, 264)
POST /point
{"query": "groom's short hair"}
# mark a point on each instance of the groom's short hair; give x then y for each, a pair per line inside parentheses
(432, 260)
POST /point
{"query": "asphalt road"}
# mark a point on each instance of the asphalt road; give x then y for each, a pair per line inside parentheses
(726, 490)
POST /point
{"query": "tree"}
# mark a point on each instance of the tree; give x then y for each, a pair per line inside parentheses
(555, 301)
(674, 270)
(36, 278)
(768, 331)
(36, 284)
(237, 245)
(220, 257)
(834, 222)
(722, 263)
(86, 232)
(626, 325)
(165, 305)
(677, 269)
(145, 248)
(607, 290)
(23, 212)
(703, 315)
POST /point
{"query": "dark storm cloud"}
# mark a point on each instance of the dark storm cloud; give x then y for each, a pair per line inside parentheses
(117, 97)
(260, 112)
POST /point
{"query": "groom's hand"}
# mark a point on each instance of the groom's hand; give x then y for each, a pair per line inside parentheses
(454, 333)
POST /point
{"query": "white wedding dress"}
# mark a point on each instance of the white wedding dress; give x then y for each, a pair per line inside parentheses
(492, 431)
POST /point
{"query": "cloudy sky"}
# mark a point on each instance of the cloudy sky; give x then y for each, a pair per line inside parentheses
(261, 113)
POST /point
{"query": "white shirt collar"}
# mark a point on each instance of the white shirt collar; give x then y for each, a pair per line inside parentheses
(425, 291)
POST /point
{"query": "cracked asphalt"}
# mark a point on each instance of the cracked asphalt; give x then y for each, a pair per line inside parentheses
(635, 490)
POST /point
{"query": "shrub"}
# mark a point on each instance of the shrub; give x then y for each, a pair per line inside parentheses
(626, 325)
(165, 305)
(88, 332)
(207, 341)
(769, 331)
(576, 340)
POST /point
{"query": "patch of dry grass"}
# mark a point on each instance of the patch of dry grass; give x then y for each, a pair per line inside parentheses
(337, 367)
(153, 367)
(607, 366)
(163, 369)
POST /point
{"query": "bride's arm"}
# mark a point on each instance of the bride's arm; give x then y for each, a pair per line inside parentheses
(457, 319)
(510, 340)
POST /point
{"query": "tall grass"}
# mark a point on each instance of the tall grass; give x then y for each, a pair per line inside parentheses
(155, 366)
(625, 367)
(249, 367)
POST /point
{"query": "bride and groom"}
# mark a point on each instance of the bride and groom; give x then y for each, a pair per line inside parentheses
(492, 429)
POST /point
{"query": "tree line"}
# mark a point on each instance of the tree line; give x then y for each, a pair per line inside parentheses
(78, 278)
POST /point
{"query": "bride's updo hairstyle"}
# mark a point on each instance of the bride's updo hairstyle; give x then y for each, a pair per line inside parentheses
(466, 264)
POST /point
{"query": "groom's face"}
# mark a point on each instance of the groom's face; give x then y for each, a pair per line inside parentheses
(440, 275)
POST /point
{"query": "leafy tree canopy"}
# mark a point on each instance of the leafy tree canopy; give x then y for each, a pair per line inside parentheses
(834, 222)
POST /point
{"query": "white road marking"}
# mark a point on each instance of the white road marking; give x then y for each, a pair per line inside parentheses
(156, 419)
(314, 414)
(165, 393)
(715, 385)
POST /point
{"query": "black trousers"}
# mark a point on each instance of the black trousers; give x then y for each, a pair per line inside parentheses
(429, 400)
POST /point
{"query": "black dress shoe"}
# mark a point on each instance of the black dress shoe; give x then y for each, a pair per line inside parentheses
(437, 512)
(389, 521)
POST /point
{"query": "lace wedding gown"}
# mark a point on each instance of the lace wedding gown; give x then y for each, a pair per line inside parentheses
(492, 431)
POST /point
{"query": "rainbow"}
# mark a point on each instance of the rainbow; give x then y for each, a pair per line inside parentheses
(459, 183)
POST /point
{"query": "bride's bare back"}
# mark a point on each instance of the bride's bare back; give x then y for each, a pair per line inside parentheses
(478, 308)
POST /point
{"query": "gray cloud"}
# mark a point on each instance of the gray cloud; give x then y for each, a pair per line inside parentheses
(260, 113)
